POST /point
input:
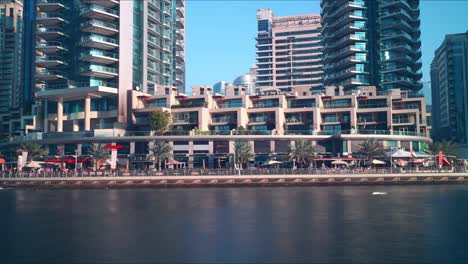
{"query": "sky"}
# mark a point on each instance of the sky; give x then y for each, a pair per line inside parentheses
(220, 42)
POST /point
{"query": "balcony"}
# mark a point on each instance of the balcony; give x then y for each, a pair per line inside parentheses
(50, 19)
(99, 12)
(180, 56)
(99, 42)
(50, 34)
(50, 5)
(223, 119)
(49, 75)
(50, 61)
(105, 3)
(180, 45)
(183, 121)
(153, 28)
(180, 11)
(180, 22)
(261, 105)
(179, 68)
(99, 56)
(51, 47)
(294, 120)
(180, 33)
(261, 119)
(99, 71)
(154, 3)
(154, 16)
(153, 41)
(403, 120)
(99, 27)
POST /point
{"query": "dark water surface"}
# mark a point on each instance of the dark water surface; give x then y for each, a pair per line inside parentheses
(283, 224)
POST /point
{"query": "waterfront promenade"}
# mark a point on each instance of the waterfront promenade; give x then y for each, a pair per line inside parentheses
(165, 181)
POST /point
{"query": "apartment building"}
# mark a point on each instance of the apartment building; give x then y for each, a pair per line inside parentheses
(11, 68)
(90, 53)
(449, 83)
(289, 52)
(372, 42)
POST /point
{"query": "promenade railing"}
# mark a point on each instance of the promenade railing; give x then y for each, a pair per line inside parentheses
(229, 172)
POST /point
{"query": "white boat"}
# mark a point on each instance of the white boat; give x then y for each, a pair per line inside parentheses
(379, 193)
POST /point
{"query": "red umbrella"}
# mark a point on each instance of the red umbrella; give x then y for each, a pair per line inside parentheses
(113, 147)
(54, 160)
(2, 161)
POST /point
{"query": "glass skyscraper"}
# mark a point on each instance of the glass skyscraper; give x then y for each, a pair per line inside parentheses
(449, 84)
(11, 66)
(90, 53)
(372, 42)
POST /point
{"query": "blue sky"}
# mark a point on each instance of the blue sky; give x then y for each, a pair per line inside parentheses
(221, 34)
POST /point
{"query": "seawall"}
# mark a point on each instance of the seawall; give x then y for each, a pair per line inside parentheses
(234, 180)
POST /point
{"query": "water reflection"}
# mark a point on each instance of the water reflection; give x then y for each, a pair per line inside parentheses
(301, 224)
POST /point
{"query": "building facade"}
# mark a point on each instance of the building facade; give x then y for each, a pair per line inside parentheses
(372, 42)
(289, 52)
(220, 87)
(11, 69)
(90, 53)
(449, 83)
(206, 125)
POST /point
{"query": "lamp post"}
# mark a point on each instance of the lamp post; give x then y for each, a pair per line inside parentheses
(76, 160)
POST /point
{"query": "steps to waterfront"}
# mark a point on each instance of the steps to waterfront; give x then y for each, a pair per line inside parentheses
(240, 180)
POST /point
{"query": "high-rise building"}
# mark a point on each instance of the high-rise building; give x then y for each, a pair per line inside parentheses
(449, 81)
(11, 68)
(90, 53)
(372, 42)
(219, 87)
(289, 52)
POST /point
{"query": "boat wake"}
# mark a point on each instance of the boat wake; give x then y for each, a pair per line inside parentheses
(379, 193)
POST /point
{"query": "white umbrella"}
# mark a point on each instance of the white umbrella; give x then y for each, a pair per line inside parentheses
(377, 162)
(273, 162)
(340, 162)
(33, 165)
(401, 154)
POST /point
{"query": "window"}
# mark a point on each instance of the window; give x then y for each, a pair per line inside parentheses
(360, 67)
(360, 45)
(361, 56)
(360, 35)
(263, 25)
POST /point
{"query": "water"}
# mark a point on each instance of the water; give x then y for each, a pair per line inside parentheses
(283, 224)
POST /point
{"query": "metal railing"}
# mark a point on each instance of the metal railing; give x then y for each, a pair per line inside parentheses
(257, 171)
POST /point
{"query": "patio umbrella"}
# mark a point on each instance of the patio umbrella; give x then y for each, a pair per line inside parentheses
(401, 154)
(53, 160)
(339, 162)
(273, 162)
(33, 165)
(377, 162)
(113, 147)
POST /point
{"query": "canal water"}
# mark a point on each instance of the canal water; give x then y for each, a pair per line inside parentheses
(283, 224)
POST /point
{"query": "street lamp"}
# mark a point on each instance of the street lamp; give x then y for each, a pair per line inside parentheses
(76, 160)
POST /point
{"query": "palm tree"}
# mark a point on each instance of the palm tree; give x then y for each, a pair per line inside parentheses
(302, 151)
(98, 153)
(449, 148)
(34, 150)
(243, 152)
(160, 150)
(371, 148)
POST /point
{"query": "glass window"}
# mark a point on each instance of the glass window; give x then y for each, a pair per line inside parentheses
(360, 35)
(360, 45)
(360, 67)
(361, 56)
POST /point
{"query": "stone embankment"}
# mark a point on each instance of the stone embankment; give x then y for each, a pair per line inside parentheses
(234, 180)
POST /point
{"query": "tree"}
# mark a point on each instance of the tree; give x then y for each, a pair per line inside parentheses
(98, 153)
(243, 152)
(160, 150)
(160, 121)
(371, 148)
(34, 150)
(302, 151)
(449, 148)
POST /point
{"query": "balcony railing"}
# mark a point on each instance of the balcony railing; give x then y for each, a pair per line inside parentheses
(94, 7)
(223, 120)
